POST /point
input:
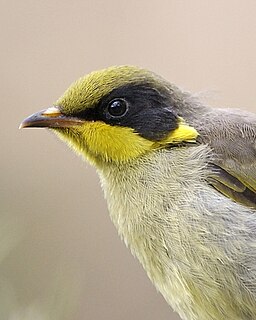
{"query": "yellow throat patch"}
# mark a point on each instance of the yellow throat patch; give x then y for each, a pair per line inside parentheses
(100, 142)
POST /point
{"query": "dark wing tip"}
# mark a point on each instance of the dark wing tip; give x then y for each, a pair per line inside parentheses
(231, 187)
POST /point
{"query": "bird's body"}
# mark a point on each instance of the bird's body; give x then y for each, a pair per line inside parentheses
(180, 182)
(157, 204)
(185, 235)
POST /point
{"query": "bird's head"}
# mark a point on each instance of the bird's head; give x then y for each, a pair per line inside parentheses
(116, 115)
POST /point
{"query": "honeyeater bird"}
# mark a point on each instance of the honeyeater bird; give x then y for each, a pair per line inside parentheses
(179, 178)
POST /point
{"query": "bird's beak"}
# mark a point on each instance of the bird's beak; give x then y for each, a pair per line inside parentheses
(50, 118)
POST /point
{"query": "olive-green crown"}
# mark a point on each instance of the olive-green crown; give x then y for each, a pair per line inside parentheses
(87, 91)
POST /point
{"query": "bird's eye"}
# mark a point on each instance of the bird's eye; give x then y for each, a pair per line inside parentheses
(117, 108)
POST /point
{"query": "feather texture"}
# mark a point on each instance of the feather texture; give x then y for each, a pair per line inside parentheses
(232, 136)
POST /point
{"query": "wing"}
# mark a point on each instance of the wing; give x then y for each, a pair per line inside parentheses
(232, 136)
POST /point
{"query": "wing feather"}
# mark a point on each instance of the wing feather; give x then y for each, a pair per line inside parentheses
(232, 136)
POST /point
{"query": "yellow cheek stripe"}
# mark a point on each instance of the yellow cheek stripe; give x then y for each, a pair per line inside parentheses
(184, 133)
(114, 143)
(98, 141)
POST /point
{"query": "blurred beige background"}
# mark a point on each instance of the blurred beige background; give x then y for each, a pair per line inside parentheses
(60, 256)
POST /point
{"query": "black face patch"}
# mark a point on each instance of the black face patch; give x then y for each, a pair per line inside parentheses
(139, 106)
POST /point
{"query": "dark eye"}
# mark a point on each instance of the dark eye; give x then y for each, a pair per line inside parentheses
(117, 108)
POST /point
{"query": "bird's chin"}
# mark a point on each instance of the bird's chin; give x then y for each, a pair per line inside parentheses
(72, 138)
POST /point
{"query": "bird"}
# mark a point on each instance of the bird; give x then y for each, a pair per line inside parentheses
(179, 178)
